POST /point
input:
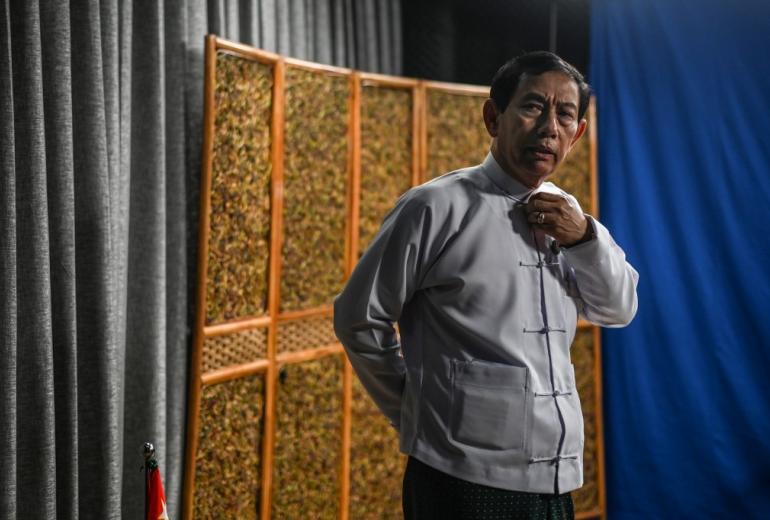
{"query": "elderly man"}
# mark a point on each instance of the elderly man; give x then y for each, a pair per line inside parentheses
(486, 270)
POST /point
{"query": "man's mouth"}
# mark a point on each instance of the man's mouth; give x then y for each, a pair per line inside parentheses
(541, 152)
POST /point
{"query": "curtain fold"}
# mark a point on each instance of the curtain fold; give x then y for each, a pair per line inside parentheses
(101, 108)
(35, 422)
(57, 106)
(8, 274)
(99, 351)
(145, 368)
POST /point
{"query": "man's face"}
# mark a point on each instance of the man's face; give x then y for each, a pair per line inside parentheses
(538, 128)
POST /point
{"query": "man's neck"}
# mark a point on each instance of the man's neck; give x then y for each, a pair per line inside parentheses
(524, 181)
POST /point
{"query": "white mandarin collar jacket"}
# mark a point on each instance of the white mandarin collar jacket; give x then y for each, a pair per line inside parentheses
(480, 384)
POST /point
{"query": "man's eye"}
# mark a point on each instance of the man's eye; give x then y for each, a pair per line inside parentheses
(531, 107)
(566, 116)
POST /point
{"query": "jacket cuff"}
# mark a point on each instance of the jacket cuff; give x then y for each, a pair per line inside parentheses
(592, 251)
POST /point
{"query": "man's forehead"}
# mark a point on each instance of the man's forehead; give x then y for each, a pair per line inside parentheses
(548, 84)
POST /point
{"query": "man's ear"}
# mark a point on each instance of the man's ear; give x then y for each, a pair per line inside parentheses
(580, 131)
(490, 117)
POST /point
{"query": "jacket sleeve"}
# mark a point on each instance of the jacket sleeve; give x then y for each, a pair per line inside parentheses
(605, 281)
(383, 281)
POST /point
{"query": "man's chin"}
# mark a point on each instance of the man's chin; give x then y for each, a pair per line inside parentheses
(532, 175)
(538, 173)
(543, 167)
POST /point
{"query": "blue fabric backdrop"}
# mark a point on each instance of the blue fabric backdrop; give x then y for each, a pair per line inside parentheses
(683, 92)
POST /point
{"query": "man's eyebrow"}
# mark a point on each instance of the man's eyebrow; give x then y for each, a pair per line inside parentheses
(534, 96)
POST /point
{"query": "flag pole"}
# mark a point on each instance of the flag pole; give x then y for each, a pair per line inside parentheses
(149, 464)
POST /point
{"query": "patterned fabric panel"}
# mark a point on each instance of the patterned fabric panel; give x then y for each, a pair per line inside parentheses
(587, 497)
(376, 465)
(315, 188)
(227, 469)
(386, 155)
(240, 190)
(308, 440)
(456, 134)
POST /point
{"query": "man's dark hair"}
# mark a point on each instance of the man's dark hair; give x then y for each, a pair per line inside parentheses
(507, 78)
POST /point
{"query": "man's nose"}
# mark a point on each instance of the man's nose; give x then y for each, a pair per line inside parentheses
(547, 125)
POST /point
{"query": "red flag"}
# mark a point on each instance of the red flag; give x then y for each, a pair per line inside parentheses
(156, 498)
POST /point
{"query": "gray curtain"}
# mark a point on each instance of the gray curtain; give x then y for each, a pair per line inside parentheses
(360, 34)
(100, 113)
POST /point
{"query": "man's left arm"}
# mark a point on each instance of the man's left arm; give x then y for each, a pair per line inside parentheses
(606, 281)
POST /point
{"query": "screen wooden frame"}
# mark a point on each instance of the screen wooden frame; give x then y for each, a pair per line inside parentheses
(270, 365)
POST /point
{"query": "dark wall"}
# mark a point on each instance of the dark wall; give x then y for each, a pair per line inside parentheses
(465, 41)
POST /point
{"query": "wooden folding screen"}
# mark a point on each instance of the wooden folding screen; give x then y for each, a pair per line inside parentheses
(301, 162)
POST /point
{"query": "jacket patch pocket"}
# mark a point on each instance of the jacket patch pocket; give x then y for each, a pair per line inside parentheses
(489, 405)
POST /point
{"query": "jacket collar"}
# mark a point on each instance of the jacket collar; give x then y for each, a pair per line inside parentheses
(504, 181)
